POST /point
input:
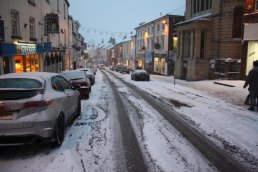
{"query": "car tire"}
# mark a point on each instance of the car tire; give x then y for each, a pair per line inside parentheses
(78, 110)
(59, 131)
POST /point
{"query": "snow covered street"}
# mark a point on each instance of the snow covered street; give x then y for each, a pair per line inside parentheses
(94, 141)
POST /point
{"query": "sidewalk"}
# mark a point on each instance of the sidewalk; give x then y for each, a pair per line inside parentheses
(231, 91)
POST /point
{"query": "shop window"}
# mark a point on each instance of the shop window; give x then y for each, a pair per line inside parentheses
(28, 63)
(256, 5)
(15, 23)
(32, 27)
(237, 26)
(19, 64)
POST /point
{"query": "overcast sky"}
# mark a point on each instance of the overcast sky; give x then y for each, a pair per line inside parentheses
(102, 19)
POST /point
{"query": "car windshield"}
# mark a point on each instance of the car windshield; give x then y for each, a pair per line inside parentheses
(23, 83)
(140, 71)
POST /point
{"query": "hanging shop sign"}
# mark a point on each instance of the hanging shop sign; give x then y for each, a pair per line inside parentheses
(52, 24)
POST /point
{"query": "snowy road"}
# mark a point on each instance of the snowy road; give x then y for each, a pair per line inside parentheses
(117, 131)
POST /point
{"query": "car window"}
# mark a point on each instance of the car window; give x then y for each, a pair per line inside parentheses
(56, 84)
(72, 75)
(20, 83)
(66, 85)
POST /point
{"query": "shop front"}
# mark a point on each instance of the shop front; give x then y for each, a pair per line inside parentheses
(251, 37)
(21, 57)
(160, 65)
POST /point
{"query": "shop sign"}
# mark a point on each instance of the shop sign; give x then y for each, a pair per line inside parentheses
(47, 46)
(148, 56)
(52, 24)
(1, 30)
(26, 48)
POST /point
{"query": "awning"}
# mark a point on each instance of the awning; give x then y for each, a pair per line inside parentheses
(251, 32)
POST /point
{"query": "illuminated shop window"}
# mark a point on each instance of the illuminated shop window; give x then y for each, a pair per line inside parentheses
(19, 64)
(28, 63)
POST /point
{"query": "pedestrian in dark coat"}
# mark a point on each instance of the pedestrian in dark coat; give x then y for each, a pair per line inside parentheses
(252, 81)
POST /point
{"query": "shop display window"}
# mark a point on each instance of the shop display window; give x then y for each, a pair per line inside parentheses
(28, 63)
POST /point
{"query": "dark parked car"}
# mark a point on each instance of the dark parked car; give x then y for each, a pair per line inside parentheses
(89, 74)
(79, 80)
(36, 106)
(140, 74)
(124, 69)
(118, 67)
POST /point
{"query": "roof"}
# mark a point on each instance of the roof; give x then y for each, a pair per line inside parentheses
(204, 17)
(163, 17)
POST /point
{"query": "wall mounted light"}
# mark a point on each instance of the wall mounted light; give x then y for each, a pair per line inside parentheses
(164, 22)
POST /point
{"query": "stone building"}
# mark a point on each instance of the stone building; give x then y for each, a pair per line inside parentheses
(210, 40)
(156, 44)
(34, 35)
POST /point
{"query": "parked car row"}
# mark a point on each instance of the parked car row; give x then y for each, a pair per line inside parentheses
(37, 106)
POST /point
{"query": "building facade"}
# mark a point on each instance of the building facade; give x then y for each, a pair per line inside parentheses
(210, 40)
(33, 35)
(251, 34)
(156, 44)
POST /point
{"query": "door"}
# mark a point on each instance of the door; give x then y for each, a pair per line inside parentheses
(72, 95)
(6, 64)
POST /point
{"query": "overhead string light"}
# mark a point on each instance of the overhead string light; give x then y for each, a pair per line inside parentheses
(122, 35)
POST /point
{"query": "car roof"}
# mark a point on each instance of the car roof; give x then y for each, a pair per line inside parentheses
(29, 75)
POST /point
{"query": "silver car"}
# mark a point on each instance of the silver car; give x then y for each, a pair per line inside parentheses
(36, 106)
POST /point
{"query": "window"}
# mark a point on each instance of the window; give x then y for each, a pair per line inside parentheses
(201, 5)
(163, 26)
(256, 5)
(57, 5)
(64, 11)
(15, 23)
(66, 85)
(158, 28)
(162, 42)
(202, 46)
(56, 85)
(32, 27)
(237, 26)
(47, 1)
(186, 43)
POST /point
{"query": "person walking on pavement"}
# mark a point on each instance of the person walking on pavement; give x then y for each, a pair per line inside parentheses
(252, 81)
